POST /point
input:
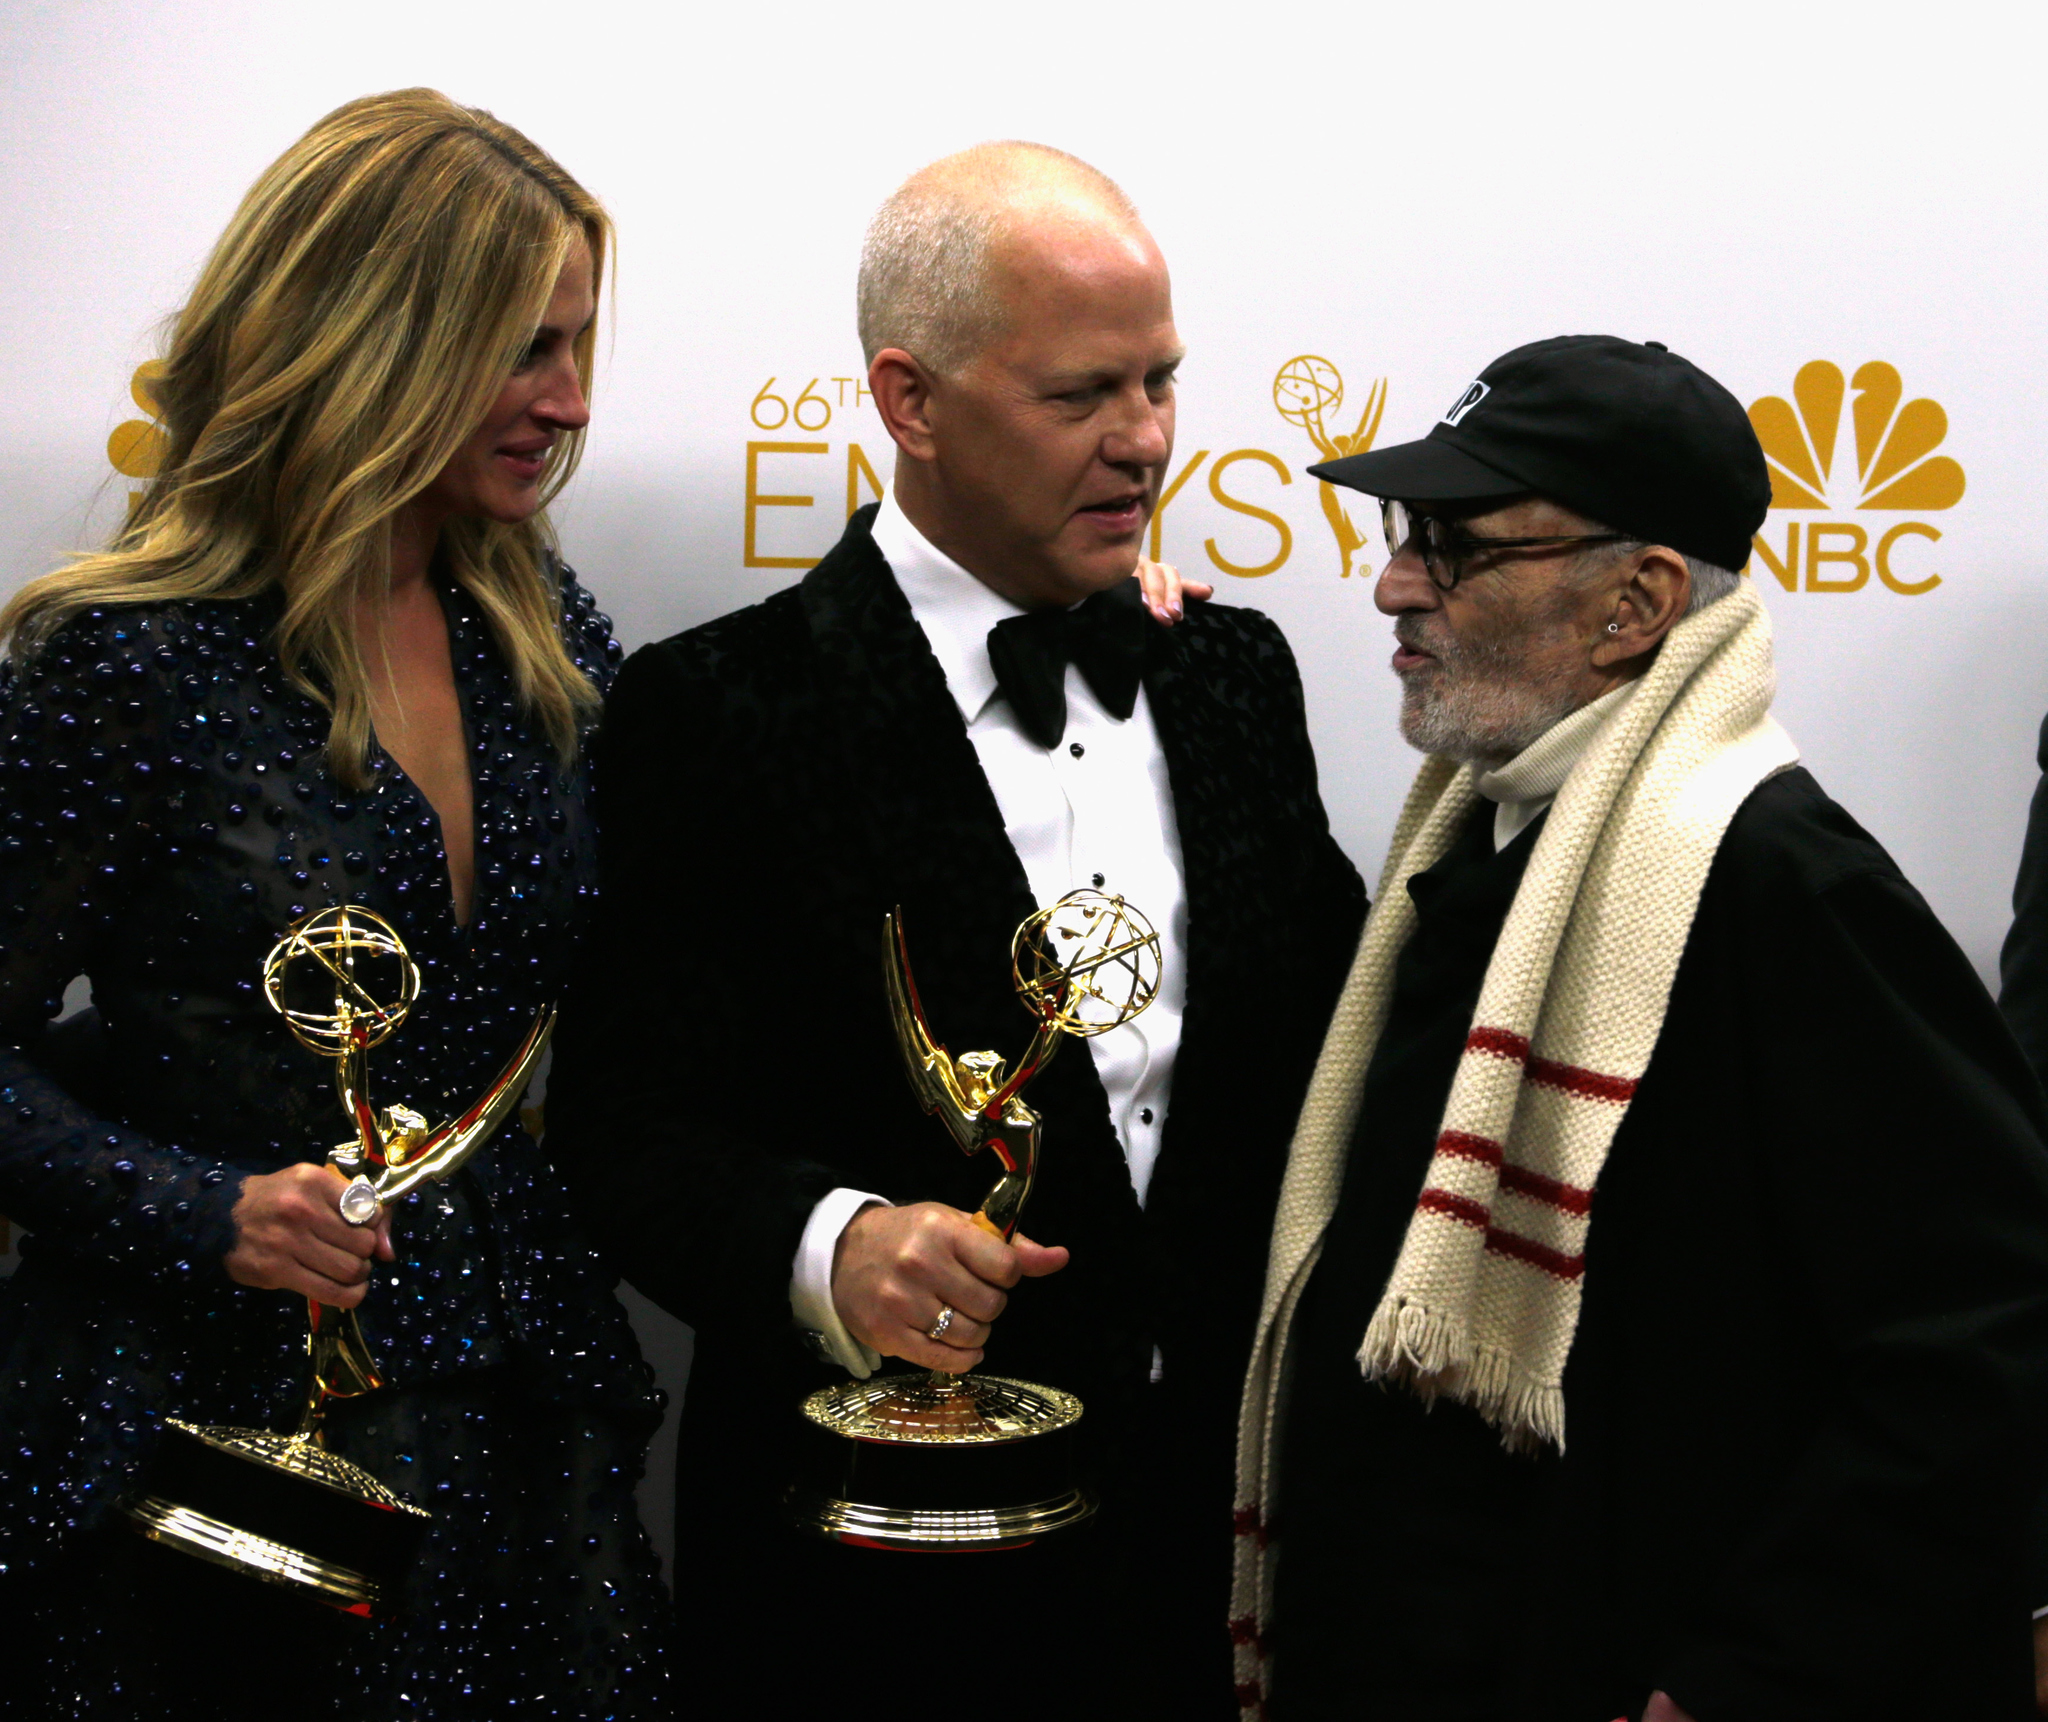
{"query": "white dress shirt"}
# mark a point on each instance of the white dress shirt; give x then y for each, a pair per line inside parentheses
(1528, 783)
(1095, 811)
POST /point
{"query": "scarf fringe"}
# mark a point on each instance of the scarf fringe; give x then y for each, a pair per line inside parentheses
(1431, 1353)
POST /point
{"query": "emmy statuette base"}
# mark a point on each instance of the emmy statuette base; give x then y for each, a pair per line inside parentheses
(194, 1533)
(931, 1531)
(939, 1464)
(280, 1509)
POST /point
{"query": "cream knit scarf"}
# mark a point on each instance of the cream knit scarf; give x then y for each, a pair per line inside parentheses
(1484, 1297)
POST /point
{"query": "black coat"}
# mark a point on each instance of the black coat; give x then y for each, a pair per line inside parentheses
(1808, 1376)
(770, 785)
(2023, 962)
(2023, 1000)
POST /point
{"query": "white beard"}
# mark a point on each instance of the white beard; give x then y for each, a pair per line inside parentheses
(1482, 704)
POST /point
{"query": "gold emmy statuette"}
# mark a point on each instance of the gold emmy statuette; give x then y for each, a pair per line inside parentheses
(281, 1508)
(942, 1462)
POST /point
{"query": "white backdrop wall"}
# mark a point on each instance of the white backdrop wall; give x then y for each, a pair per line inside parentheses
(1399, 193)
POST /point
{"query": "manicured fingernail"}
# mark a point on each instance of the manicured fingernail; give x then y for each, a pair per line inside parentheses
(1176, 609)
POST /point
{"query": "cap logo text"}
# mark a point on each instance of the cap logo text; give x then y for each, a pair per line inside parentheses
(1472, 396)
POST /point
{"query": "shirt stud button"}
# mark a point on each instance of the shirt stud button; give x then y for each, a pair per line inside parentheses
(1145, 1117)
(1098, 880)
(1076, 749)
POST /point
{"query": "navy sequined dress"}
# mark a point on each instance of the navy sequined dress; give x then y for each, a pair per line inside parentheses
(164, 815)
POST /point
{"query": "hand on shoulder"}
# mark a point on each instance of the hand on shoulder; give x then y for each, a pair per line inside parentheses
(1166, 589)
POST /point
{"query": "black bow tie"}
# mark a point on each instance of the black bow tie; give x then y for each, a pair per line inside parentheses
(1103, 638)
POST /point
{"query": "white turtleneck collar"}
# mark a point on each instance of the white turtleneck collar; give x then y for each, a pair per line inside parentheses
(1529, 782)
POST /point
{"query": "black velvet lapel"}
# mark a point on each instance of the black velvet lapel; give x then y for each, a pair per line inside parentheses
(935, 840)
(1207, 766)
(1179, 701)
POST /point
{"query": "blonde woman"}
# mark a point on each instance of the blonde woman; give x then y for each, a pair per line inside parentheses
(331, 658)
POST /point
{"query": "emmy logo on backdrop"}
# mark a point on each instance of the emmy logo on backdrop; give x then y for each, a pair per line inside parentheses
(957, 1462)
(277, 1507)
(1306, 388)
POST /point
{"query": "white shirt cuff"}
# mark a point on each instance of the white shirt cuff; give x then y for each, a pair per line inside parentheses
(810, 1282)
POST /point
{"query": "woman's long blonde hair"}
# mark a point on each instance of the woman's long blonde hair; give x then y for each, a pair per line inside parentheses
(366, 305)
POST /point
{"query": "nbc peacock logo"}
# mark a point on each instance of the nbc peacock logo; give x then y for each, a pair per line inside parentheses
(1896, 471)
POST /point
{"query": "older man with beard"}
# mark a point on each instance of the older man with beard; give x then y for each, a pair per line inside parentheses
(1658, 1111)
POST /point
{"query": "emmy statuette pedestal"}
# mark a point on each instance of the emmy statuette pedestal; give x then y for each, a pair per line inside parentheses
(944, 1463)
(281, 1508)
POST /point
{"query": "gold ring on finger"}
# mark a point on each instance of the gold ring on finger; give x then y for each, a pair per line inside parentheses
(937, 1330)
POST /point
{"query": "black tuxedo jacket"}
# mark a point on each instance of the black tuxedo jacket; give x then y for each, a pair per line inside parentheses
(769, 785)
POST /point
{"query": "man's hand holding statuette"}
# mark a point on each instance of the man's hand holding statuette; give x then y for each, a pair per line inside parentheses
(896, 1270)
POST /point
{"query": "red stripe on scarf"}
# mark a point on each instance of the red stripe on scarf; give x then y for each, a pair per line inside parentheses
(1462, 1146)
(1460, 1208)
(1498, 1043)
(1466, 1212)
(1537, 1255)
(1571, 1078)
(1538, 1188)
(1586, 1084)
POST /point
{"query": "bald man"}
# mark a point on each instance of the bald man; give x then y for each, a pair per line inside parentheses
(908, 726)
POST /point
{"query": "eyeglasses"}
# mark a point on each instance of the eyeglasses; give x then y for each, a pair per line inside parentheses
(1445, 551)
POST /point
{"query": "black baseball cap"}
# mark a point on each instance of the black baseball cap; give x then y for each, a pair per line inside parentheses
(1624, 432)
